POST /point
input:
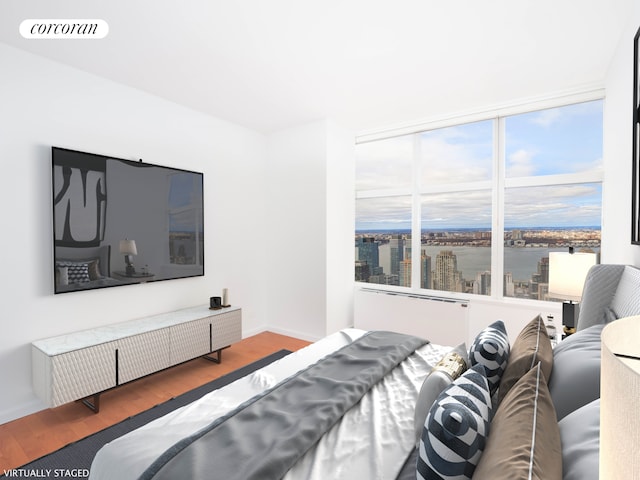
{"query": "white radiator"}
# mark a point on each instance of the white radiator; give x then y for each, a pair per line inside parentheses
(443, 321)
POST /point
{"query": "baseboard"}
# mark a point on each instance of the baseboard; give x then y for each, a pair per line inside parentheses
(24, 409)
(279, 331)
(254, 331)
(292, 333)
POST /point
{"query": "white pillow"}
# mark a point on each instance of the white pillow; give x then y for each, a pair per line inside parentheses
(450, 367)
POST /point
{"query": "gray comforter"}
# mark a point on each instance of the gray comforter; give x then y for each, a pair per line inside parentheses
(264, 437)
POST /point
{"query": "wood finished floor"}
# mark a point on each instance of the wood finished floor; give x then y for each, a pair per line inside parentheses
(33, 436)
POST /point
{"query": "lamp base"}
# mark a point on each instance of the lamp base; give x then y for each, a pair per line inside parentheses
(570, 312)
(130, 270)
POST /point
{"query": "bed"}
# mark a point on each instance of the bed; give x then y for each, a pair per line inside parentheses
(412, 410)
(83, 268)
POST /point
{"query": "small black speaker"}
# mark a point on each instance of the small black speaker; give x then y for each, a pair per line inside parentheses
(215, 302)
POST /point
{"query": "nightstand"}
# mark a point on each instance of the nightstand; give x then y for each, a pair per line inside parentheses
(137, 277)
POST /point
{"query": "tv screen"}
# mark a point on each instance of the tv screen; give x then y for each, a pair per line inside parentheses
(118, 222)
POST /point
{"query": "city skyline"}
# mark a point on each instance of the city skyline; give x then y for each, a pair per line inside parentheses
(460, 261)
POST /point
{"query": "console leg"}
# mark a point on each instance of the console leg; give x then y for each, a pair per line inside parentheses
(217, 358)
(95, 405)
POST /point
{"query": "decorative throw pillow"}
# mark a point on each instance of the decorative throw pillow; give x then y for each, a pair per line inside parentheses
(456, 428)
(94, 269)
(77, 272)
(450, 367)
(580, 437)
(525, 437)
(491, 350)
(575, 379)
(62, 276)
(93, 265)
(530, 347)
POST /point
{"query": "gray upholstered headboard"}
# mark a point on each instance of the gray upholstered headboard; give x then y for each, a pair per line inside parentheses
(610, 292)
(88, 253)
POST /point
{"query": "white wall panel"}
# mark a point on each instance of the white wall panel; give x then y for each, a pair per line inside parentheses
(439, 321)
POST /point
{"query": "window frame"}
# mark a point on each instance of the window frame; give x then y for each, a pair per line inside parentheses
(195, 210)
(498, 184)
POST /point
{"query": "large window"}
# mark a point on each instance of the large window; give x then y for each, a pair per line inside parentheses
(479, 205)
(186, 239)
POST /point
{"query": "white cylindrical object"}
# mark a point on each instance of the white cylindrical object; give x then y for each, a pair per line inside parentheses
(620, 400)
(567, 272)
(225, 296)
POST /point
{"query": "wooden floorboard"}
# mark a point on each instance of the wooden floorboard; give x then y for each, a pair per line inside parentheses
(33, 436)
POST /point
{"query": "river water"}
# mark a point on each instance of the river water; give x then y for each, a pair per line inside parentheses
(521, 262)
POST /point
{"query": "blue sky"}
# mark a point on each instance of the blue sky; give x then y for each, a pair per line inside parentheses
(561, 140)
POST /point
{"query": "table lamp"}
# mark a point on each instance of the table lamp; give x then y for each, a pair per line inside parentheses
(567, 272)
(128, 248)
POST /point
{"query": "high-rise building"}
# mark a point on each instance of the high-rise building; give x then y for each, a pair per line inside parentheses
(508, 288)
(368, 252)
(482, 283)
(425, 270)
(446, 275)
(362, 271)
(405, 272)
(543, 270)
(540, 280)
(396, 250)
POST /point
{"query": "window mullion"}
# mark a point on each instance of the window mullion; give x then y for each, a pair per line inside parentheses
(416, 218)
(497, 228)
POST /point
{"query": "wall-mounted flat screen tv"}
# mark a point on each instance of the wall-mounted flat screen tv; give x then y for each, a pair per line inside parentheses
(118, 222)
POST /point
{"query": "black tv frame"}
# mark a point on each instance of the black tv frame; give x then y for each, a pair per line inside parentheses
(90, 174)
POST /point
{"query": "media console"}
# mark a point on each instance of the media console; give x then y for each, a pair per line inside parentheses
(84, 364)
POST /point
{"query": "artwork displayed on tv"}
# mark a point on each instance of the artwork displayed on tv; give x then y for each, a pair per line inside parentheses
(118, 222)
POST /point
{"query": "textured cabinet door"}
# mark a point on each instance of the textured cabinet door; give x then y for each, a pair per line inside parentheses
(81, 373)
(75, 366)
(226, 329)
(140, 355)
(189, 340)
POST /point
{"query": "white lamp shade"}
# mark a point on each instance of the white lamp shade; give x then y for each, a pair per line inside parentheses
(620, 400)
(128, 247)
(567, 272)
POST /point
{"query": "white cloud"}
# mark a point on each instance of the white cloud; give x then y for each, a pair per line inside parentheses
(520, 163)
(445, 162)
(384, 164)
(553, 205)
(546, 118)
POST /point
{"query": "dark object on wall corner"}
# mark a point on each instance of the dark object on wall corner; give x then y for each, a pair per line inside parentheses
(635, 201)
(215, 303)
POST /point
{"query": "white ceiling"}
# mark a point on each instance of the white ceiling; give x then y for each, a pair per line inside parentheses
(273, 64)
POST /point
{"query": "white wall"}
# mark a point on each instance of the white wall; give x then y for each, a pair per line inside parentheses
(296, 272)
(45, 103)
(311, 217)
(341, 208)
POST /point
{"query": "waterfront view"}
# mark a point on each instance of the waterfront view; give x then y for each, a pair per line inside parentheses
(460, 260)
(442, 184)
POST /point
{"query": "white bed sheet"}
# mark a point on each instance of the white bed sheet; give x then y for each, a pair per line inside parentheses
(375, 437)
(386, 408)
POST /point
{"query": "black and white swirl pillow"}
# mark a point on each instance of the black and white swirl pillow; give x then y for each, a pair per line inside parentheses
(491, 350)
(456, 429)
